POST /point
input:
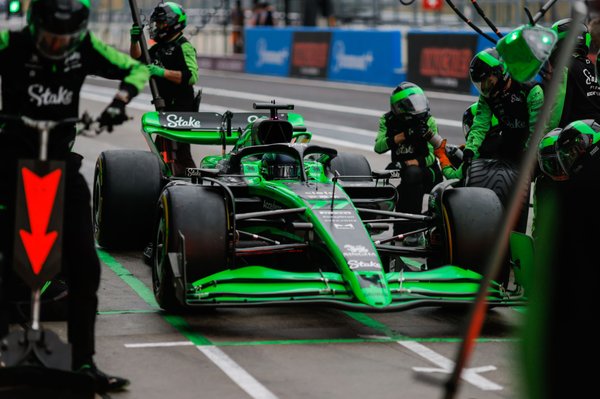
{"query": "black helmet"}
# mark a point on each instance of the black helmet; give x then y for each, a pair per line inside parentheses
(562, 151)
(409, 102)
(582, 46)
(468, 117)
(488, 72)
(58, 26)
(166, 20)
(547, 158)
(279, 166)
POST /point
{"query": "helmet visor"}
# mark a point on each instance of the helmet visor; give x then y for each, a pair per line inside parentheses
(550, 165)
(283, 171)
(413, 104)
(487, 85)
(571, 151)
(57, 46)
(156, 27)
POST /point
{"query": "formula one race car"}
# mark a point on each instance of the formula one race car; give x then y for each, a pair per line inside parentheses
(279, 220)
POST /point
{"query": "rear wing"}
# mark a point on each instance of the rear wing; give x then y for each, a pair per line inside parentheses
(205, 127)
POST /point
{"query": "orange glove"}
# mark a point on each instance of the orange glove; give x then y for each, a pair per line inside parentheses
(440, 153)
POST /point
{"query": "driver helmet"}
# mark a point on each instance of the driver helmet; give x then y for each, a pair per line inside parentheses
(279, 167)
(166, 21)
(408, 101)
(562, 151)
(488, 72)
(582, 45)
(58, 26)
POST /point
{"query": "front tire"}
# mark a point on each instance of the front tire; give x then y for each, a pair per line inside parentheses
(199, 214)
(471, 216)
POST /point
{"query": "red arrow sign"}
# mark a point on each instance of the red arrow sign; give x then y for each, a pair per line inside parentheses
(40, 193)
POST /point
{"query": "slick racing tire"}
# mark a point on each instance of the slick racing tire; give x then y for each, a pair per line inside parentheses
(500, 176)
(347, 164)
(495, 174)
(126, 186)
(471, 216)
(196, 217)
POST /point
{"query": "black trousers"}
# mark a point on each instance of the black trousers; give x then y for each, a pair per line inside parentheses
(81, 265)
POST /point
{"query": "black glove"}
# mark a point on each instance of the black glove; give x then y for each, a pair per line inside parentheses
(113, 115)
(467, 159)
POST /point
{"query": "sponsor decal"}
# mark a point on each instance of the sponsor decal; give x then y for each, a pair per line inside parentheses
(177, 121)
(357, 251)
(361, 264)
(310, 54)
(441, 60)
(446, 62)
(345, 226)
(270, 57)
(358, 62)
(193, 172)
(41, 96)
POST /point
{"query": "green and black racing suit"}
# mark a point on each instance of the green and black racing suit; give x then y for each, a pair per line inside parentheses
(44, 89)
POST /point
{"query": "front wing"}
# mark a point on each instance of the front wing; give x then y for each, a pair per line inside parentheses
(257, 285)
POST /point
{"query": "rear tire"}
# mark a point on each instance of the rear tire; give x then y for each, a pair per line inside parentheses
(126, 186)
(347, 164)
(200, 214)
(471, 216)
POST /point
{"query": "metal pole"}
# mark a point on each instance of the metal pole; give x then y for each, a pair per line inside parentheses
(158, 101)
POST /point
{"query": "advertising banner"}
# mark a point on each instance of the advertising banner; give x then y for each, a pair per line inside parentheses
(366, 56)
(268, 51)
(440, 60)
(310, 54)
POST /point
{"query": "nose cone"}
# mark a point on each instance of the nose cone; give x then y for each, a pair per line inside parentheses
(374, 290)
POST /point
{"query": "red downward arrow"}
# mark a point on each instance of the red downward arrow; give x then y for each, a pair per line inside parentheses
(40, 193)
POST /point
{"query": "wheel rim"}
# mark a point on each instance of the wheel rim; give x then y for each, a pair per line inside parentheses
(160, 253)
(97, 200)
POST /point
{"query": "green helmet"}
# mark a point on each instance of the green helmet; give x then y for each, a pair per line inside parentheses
(58, 26)
(166, 21)
(488, 72)
(562, 151)
(409, 102)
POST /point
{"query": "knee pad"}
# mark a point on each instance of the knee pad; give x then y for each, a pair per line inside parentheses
(411, 175)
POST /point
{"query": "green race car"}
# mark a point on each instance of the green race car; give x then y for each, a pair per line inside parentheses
(279, 220)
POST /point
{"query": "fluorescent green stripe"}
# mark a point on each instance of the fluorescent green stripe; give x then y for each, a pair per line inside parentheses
(401, 95)
(140, 288)
(2, 207)
(488, 59)
(189, 55)
(148, 296)
(4, 39)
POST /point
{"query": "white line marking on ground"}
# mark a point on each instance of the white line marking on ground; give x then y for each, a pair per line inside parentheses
(87, 88)
(470, 375)
(237, 374)
(159, 344)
